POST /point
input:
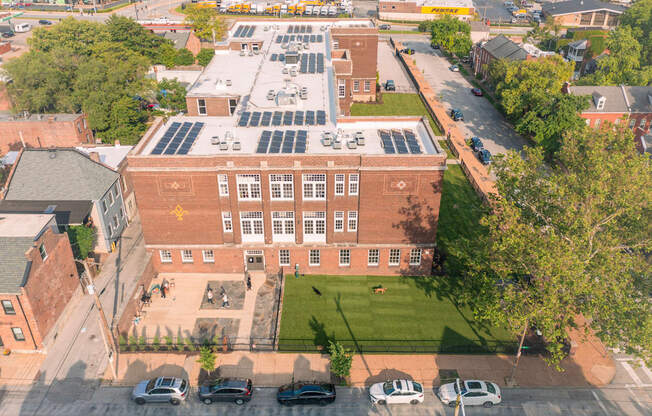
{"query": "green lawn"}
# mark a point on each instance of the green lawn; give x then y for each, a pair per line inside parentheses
(411, 313)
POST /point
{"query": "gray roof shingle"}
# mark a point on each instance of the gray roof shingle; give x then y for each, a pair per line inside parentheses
(59, 175)
(14, 266)
(615, 101)
(640, 99)
(502, 48)
(579, 6)
(179, 39)
(66, 212)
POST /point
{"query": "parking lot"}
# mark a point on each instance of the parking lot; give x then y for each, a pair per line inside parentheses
(389, 67)
(480, 117)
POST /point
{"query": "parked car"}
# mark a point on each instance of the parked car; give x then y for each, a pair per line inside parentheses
(8, 34)
(454, 68)
(44, 22)
(408, 51)
(384, 26)
(477, 92)
(390, 86)
(484, 156)
(457, 115)
(474, 393)
(509, 4)
(162, 389)
(512, 9)
(306, 393)
(238, 391)
(396, 392)
(476, 144)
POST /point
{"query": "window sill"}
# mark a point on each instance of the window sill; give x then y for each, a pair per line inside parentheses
(166, 262)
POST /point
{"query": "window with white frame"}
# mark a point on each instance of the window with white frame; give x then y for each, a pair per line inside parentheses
(201, 107)
(166, 256)
(356, 85)
(313, 258)
(18, 334)
(345, 257)
(42, 252)
(284, 257)
(338, 224)
(105, 207)
(353, 221)
(116, 221)
(223, 184)
(283, 226)
(339, 184)
(367, 86)
(354, 181)
(394, 257)
(374, 257)
(208, 256)
(632, 123)
(248, 187)
(314, 226)
(596, 124)
(186, 256)
(110, 196)
(227, 222)
(251, 224)
(336, 44)
(314, 186)
(124, 183)
(341, 88)
(415, 257)
(281, 186)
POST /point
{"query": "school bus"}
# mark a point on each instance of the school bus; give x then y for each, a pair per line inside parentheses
(206, 4)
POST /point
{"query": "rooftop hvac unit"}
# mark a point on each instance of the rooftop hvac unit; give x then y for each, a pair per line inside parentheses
(229, 82)
(337, 144)
(236, 146)
(224, 146)
(352, 144)
(359, 138)
(215, 140)
(327, 140)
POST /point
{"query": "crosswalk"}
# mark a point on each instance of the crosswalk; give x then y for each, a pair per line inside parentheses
(637, 371)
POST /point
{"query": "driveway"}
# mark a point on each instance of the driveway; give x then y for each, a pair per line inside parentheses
(389, 67)
(481, 118)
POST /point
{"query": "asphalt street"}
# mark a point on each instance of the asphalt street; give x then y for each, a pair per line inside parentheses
(530, 402)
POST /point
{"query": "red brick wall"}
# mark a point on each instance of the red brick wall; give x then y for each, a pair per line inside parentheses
(193, 44)
(215, 106)
(43, 133)
(5, 47)
(399, 7)
(49, 287)
(363, 45)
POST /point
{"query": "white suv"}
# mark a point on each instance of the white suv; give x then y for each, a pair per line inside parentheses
(474, 393)
(396, 392)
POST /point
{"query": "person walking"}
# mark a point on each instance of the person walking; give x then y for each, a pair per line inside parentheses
(248, 281)
(225, 301)
(209, 295)
(165, 287)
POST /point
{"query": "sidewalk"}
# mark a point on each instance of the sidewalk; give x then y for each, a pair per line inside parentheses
(270, 369)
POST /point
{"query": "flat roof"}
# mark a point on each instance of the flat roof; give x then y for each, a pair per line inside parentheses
(23, 225)
(111, 156)
(39, 117)
(437, 3)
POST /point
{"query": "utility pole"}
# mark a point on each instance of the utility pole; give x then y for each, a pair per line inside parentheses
(107, 336)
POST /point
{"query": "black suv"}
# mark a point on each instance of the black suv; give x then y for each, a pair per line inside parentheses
(236, 390)
(306, 393)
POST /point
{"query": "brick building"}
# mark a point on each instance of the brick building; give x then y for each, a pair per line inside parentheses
(501, 47)
(583, 13)
(418, 10)
(43, 130)
(38, 277)
(286, 180)
(183, 39)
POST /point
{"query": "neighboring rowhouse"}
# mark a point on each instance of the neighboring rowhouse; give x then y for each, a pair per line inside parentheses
(38, 277)
(500, 47)
(417, 10)
(43, 130)
(583, 13)
(617, 104)
(54, 175)
(284, 179)
(183, 40)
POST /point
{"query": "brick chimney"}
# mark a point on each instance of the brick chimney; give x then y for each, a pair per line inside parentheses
(94, 156)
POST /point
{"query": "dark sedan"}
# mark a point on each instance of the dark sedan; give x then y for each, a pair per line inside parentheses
(238, 391)
(477, 92)
(476, 144)
(484, 156)
(306, 393)
(9, 34)
(44, 22)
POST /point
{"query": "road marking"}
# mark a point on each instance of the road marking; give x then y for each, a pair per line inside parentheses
(635, 398)
(604, 409)
(631, 373)
(647, 371)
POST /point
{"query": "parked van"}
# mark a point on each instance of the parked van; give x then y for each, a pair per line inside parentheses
(308, 11)
(22, 27)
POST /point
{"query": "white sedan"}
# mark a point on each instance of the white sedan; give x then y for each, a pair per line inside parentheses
(396, 392)
(474, 393)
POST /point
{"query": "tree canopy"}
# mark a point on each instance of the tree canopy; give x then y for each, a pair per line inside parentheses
(91, 67)
(639, 18)
(206, 22)
(570, 238)
(452, 34)
(171, 95)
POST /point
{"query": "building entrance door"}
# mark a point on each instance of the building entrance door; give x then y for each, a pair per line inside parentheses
(255, 262)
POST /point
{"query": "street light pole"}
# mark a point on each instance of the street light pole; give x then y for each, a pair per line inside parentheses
(107, 337)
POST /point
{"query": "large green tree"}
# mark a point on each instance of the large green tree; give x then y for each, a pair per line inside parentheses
(171, 95)
(639, 18)
(570, 238)
(452, 34)
(206, 22)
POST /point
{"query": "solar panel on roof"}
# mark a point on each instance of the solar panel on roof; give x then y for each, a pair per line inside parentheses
(303, 29)
(309, 29)
(238, 32)
(298, 118)
(244, 119)
(300, 145)
(178, 138)
(190, 139)
(281, 57)
(311, 63)
(310, 118)
(286, 38)
(264, 141)
(277, 118)
(277, 139)
(290, 29)
(321, 117)
(306, 38)
(255, 119)
(267, 118)
(319, 38)
(412, 142)
(287, 118)
(252, 29)
(292, 38)
(386, 141)
(160, 146)
(312, 38)
(288, 141)
(399, 141)
(274, 57)
(279, 38)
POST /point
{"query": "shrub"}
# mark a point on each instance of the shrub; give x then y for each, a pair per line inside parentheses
(206, 359)
(180, 343)
(168, 341)
(122, 341)
(184, 57)
(204, 56)
(82, 239)
(341, 359)
(156, 343)
(133, 342)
